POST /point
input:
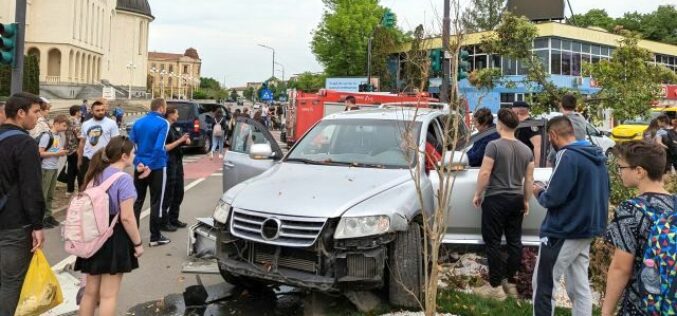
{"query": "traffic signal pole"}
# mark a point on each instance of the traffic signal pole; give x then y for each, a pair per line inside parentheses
(446, 69)
(18, 69)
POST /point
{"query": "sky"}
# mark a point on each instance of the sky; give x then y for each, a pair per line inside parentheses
(226, 33)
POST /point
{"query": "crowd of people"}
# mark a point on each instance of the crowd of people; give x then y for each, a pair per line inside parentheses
(30, 148)
(642, 273)
(576, 197)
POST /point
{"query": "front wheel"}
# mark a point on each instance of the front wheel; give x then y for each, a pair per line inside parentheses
(405, 267)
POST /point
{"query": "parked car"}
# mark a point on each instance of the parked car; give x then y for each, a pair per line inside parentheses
(634, 129)
(340, 211)
(597, 137)
(192, 122)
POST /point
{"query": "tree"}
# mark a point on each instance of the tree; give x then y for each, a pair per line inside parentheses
(249, 93)
(630, 81)
(594, 17)
(483, 15)
(308, 82)
(233, 95)
(209, 83)
(417, 63)
(31, 78)
(340, 40)
(661, 25)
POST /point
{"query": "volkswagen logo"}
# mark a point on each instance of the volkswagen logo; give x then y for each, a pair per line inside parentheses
(270, 229)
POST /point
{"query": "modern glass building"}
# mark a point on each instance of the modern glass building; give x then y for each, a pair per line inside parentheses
(562, 48)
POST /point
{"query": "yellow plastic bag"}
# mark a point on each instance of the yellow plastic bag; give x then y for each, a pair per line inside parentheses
(41, 291)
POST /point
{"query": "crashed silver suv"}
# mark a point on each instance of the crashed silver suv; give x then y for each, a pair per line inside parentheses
(340, 211)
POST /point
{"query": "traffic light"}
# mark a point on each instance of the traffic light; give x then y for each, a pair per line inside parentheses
(463, 64)
(436, 60)
(388, 20)
(8, 33)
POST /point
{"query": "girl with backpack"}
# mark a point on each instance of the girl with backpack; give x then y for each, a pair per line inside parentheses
(120, 252)
(219, 132)
(641, 275)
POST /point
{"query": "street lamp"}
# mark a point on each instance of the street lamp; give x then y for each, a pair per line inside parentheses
(268, 47)
(171, 86)
(131, 68)
(163, 73)
(153, 71)
(282, 69)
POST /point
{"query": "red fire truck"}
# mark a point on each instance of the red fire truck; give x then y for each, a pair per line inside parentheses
(306, 109)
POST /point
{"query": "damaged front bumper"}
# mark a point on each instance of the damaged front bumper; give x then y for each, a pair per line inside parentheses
(327, 266)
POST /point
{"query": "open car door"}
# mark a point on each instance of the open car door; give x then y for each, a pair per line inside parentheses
(238, 166)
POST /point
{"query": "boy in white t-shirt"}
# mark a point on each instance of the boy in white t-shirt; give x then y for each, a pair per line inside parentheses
(51, 149)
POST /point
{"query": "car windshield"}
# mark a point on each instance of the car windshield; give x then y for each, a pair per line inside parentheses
(358, 142)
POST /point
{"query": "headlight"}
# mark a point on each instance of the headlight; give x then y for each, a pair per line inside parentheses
(221, 212)
(353, 227)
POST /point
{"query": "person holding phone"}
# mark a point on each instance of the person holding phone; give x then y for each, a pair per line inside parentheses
(175, 140)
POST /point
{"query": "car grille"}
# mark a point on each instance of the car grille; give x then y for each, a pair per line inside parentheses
(288, 258)
(293, 231)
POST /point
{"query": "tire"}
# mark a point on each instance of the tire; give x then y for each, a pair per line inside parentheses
(405, 268)
(206, 145)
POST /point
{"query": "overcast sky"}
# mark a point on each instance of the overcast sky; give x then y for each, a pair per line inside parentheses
(226, 32)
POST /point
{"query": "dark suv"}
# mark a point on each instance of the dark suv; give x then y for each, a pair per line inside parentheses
(194, 120)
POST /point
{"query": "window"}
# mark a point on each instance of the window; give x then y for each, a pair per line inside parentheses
(523, 68)
(480, 62)
(595, 59)
(185, 69)
(605, 51)
(507, 99)
(555, 43)
(596, 49)
(576, 64)
(496, 61)
(509, 67)
(585, 48)
(585, 58)
(576, 46)
(541, 43)
(544, 58)
(555, 62)
(566, 45)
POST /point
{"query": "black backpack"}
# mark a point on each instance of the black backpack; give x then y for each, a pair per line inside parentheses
(50, 142)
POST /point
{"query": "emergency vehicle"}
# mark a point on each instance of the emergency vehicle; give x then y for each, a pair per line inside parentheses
(306, 109)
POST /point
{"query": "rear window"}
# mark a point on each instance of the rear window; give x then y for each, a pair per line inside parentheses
(208, 107)
(186, 110)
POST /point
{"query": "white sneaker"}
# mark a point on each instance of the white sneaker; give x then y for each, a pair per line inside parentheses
(510, 288)
(220, 156)
(488, 291)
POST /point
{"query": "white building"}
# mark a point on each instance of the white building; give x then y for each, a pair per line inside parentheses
(84, 45)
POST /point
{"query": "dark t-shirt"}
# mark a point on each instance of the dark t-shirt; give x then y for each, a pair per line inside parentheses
(174, 134)
(628, 232)
(511, 160)
(524, 134)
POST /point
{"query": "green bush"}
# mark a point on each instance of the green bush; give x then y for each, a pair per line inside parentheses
(31, 76)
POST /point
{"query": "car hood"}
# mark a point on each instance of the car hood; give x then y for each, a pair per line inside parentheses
(628, 130)
(315, 191)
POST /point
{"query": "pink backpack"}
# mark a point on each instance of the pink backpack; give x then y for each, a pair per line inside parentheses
(87, 226)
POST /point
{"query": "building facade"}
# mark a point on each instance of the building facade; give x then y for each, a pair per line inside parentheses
(174, 76)
(562, 49)
(83, 45)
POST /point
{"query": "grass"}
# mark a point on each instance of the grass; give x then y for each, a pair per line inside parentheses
(462, 304)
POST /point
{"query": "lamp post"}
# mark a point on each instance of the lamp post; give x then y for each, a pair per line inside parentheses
(171, 86)
(268, 47)
(131, 68)
(153, 71)
(190, 86)
(282, 66)
(162, 82)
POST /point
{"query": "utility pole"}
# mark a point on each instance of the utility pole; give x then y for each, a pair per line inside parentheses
(446, 75)
(369, 60)
(18, 70)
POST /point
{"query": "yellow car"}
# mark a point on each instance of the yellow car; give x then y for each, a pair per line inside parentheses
(634, 129)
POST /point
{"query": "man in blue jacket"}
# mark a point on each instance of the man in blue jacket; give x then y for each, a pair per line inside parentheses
(577, 199)
(149, 134)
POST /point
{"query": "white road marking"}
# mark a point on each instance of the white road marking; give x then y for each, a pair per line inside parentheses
(216, 175)
(70, 260)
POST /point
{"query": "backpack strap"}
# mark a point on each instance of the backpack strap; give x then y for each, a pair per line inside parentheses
(106, 184)
(9, 133)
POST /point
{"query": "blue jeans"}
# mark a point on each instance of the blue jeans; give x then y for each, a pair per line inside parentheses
(15, 256)
(217, 141)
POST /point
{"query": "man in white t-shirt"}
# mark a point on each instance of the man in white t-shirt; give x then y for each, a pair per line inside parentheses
(96, 133)
(264, 113)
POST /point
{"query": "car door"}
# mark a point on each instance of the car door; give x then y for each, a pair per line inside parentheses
(463, 220)
(237, 165)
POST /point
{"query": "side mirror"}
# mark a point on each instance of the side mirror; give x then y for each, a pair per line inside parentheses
(260, 151)
(456, 160)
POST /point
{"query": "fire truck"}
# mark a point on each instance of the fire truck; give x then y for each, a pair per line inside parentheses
(306, 109)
